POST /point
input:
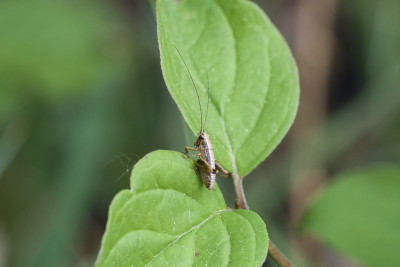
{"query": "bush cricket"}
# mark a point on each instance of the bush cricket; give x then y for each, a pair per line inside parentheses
(206, 163)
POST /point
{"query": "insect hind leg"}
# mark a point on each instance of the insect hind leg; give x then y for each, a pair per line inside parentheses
(221, 171)
(204, 166)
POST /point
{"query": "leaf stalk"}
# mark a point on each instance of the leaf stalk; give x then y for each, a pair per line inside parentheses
(241, 203)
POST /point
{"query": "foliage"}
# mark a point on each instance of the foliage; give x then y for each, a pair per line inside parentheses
(358, 215)
(82, 99)
(253, 81)
(65, 62)
(169, 218)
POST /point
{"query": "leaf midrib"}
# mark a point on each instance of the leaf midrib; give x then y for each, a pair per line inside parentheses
(220, 112)
(221, 115)
(187, 232)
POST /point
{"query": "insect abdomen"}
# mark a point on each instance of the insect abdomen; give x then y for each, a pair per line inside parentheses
(207, 154)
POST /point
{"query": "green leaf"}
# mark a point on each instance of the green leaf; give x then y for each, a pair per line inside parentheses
(169, 218)
(253, 79)
(358, 215)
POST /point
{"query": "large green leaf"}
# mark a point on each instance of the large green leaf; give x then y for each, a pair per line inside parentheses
(253, 78)
(359, 215)
(169, 218)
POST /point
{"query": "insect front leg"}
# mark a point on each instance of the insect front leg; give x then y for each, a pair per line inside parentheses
(192, 156)
(221, 171)
(187, 148)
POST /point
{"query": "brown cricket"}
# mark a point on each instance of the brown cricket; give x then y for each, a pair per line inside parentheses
(206, 163)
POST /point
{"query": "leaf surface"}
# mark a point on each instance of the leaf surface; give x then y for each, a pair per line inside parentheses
(359, 216)
(169, 218)
(253, 80)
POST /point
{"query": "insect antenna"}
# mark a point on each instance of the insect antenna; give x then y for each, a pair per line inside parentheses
(208, 101)
(195, 88)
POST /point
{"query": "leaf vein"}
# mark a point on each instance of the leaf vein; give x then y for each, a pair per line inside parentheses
(254, 232)
(187, 232)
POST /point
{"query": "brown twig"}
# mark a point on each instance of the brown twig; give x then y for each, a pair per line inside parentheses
(241, 203)
(278, 256)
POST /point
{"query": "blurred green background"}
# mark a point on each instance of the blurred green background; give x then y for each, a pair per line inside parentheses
(82, 99)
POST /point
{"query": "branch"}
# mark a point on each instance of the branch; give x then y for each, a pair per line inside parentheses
(278, 256)
(241, 203)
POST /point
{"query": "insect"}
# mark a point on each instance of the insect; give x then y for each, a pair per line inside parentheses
(206, 163)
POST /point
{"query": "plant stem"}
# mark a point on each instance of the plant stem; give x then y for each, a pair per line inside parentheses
(278, 256)
(241, 203)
